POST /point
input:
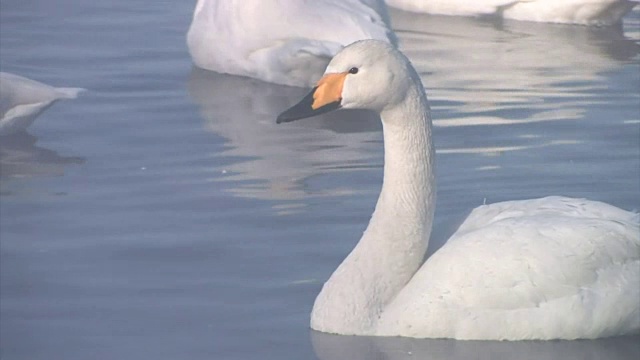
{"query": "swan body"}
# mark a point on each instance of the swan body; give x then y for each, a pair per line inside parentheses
(549, 268)
(22, 100)
(582, 12)
(287, 42)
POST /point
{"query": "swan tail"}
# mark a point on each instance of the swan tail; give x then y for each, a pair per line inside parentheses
(69, 92)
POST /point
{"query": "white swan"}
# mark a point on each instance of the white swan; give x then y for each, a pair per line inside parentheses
(550, 268)
(287, 42)
(583, 12)
(22, 100)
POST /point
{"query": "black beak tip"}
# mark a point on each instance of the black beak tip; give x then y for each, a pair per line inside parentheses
(300, 110)
(284, 118)
(304, 109)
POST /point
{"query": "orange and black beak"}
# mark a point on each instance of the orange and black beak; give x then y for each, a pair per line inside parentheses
(325, 97)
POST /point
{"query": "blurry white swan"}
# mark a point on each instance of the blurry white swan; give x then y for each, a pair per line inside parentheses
(550, 268)
(583, 12)
(22, 100)
(287, 42)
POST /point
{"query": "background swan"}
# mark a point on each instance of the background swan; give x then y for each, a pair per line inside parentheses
(22, 100)
(550, 268)
(584, 12)
(287, 42)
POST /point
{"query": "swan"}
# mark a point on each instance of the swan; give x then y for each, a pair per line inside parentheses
(548, 268)
(581, 12)
(287, 42)
(22, 100)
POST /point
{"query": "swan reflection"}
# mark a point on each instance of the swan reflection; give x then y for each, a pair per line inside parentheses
(21, 158)
(492, 75)
(486, 79)
(517, 71)
(336, 347)
(273, 162)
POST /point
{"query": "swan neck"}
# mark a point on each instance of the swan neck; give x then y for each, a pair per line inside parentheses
(393, 246)
(408, 188)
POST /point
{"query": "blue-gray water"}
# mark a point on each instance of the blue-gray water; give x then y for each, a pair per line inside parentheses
(164, 215)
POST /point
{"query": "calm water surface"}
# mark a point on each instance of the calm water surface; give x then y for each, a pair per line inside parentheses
(164, 215)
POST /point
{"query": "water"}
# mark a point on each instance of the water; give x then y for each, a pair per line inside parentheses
(164, 215)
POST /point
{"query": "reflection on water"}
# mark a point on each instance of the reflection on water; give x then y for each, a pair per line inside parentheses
(273, 161)
(480, 72)
(21, 158)
(334, 347)
(477, 72)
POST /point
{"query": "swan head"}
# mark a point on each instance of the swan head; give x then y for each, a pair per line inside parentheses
(368, 74)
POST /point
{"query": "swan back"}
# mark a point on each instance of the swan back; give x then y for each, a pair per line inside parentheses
(551, 207)
(283, 41)
(582, 12)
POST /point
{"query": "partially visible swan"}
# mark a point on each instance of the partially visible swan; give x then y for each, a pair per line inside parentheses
(583, 12)
(287, 42)
(22, 100)
(550, 268)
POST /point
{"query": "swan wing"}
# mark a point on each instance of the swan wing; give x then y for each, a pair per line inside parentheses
(534, 269)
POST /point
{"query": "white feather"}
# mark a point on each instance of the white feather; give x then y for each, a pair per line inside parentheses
(281, 41)
(583, 12)
(549, 268)
(22, 100)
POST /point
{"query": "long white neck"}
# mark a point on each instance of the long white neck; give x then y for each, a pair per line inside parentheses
(392, 247)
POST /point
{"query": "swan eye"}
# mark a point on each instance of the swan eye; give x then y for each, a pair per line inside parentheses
(353, 70)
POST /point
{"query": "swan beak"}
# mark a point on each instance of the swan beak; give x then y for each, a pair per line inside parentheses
(325, 97)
